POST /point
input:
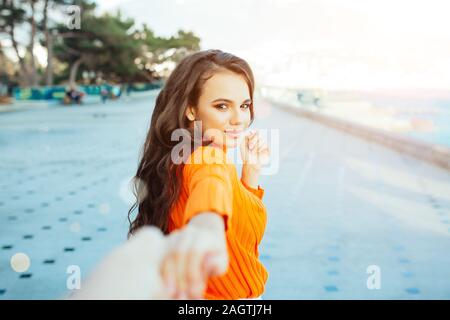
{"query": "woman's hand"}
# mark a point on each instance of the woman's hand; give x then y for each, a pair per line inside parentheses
(254, 151)
(196, 252)
(255, 154)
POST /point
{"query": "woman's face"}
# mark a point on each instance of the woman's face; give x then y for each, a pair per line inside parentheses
(223, 108)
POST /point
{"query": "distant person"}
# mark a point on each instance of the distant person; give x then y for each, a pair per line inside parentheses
(73, 95)
(116, 92)
(129, 88)
(104, 93)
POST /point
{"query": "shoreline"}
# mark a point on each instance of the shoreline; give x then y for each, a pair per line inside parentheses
(431, 153)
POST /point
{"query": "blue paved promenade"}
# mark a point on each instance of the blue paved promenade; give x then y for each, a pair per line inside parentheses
(337, 205)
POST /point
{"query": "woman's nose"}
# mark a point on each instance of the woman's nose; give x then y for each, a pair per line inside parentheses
(236, 117)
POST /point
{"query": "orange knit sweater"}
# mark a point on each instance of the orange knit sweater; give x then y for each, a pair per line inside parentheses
(211, 183)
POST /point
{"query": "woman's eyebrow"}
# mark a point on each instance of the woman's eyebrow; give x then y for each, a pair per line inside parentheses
(230, 101)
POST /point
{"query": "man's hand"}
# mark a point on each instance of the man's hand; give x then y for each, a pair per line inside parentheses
(131, 271)
(196, 252)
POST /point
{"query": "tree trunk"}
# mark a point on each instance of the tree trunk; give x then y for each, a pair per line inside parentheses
(49, 46)
(49, 70)
(23, 67)
(74, 71)
(33, 73)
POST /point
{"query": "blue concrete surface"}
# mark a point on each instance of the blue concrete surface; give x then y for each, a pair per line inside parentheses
(340, 204)
(337, 205)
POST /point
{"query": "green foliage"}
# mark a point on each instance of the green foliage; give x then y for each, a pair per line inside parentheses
(109, 45)
(112, 45)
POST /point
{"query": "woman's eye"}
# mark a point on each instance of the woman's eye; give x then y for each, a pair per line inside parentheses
(245, 106)
(221, 106)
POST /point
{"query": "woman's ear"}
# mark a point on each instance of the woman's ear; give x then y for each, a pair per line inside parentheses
(190, 114)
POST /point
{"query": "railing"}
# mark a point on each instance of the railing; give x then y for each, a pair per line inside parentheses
(58, 92)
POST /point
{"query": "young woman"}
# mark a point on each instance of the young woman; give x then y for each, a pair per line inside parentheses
(216, 220)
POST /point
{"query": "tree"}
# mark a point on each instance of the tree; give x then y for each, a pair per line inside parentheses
(49, 29)
(109, 44)
(159, 51)
(48, 34)
(113, 46)
(7, 71)
(103, 44)
(12, 17)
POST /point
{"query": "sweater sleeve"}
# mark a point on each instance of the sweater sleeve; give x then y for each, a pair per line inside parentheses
(259, 192)
(209, 189)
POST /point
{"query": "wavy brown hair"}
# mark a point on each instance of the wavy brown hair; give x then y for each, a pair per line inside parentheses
(157, 182)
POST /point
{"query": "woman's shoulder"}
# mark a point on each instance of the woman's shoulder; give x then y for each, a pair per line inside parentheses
(208, 160)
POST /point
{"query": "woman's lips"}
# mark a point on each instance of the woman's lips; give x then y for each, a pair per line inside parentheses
(233, 133)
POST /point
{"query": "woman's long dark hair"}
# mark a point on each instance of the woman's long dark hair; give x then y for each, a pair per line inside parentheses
(157, 182)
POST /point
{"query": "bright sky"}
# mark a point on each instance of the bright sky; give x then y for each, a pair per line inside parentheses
(356, 44)
(333, 43)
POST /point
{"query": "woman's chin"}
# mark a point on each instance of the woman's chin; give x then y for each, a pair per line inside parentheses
(229, 143)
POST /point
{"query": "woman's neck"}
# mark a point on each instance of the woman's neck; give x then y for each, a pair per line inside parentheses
(223, 147)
